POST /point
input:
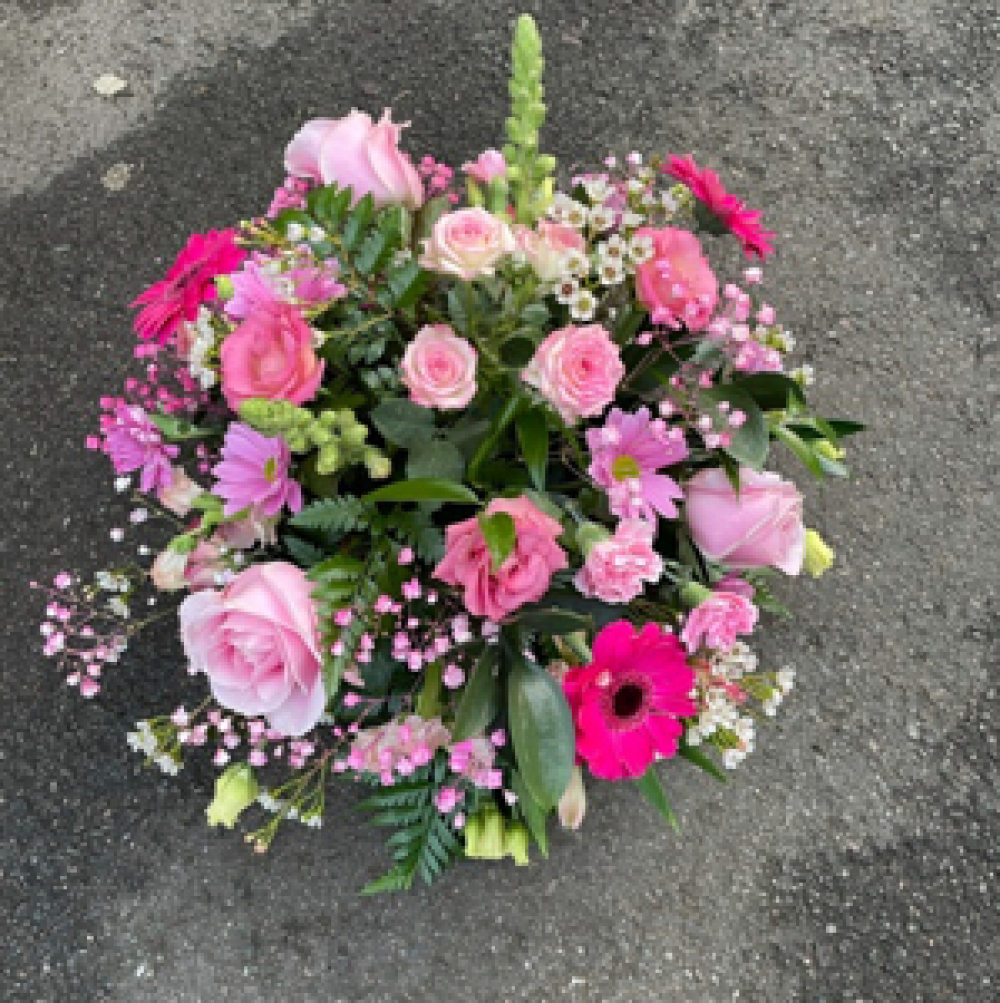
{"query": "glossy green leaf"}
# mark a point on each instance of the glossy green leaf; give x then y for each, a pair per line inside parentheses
(423, 489)
(534, 815)
(800, 448)
(533, 435)
(843, 428)
(652, 789)
(402, 422)
(436, 459)
(500, 535)
(695, 755)
(771, 391)
(749, 442)
(478, 703)
(553, 620)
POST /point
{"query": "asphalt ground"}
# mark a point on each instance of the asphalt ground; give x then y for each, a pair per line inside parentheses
(854, 856)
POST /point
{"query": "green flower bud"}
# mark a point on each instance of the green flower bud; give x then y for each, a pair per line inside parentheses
(235, 789)
(354, 434)
(328, 460)
(515, 843)
(826, 448)
(484, 835)
(694, 594)
(818, 555)
(379, 467)
(588, 534)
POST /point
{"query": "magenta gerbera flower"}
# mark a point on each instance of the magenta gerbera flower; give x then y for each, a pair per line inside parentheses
(627, 451)
(731, 211)
(187, 285)
(253, 473)
(627, 703)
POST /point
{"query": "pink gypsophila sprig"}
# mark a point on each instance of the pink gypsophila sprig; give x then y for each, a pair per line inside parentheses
(254, 473)
(731, 211)
(187, 284)
(133, 442)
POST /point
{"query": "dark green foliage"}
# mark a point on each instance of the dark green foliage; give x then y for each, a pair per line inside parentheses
(334, 516)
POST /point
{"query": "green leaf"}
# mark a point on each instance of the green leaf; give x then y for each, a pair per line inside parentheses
(500, 535)
(303, 553)
(435, 458)
(535, 315)
(457, 310)
(511, 406)
(554, 621)
(478, 703)
(652, 789)
(329, 204)
(371, 252)
(173, 427)
(533, 435)
(541, 729)
(534, 815)
(628, 324)
(749, 441)
(694, 755)
(771, 391)
(423, 489)
(402, 422)
(599, 613)
(406, 283)
(800, 448)
(357, 220)
(340, 514)
(398, 879)
(842, 427)
(429, 701)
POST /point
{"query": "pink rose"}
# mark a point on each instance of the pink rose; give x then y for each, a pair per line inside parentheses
(548, 245)
(717, 620)
(357, 153)
(467, 243)
(616, 569)
(525, 574)
(439, 368)
(760, 526)
(676, 284)
(270, 355)
(257, 642)
(487, 166)
(577, 369)
(178, 495)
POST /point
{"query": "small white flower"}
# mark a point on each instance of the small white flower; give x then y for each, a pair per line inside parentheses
(640, 248)
(611, 273)
(122, 484)
(576, 263)
(566, 290)
(786, 680)
(583, 305)
(602, 218)
(294, 232)
(316, 234)
(612, 249)
(669, 202)
(636, 185)
(597, 189)
(575, 214)
(119, 607)
(804, 374)
(318, 338)
(630, 218)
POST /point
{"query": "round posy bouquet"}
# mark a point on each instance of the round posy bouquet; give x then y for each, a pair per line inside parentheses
(469, 496)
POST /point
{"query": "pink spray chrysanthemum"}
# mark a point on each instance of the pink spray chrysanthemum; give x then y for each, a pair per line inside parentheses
(133, 442)
(627, 703)
(730, 210)
(627, 451)
(253, 473)
(187, 285)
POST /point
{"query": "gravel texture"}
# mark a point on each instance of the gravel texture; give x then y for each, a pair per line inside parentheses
(854, 856)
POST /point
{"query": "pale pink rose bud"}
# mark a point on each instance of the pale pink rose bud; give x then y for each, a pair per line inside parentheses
(577, 369)
(439, 368)
(179, 494)
(487, 166)
(547, 247)
(167, 570)
(616, 569)
(760, 526)
(355, 152)
(467, 243)
(573, 803)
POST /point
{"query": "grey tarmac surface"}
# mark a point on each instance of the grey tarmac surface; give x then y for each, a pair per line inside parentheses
(854, 856)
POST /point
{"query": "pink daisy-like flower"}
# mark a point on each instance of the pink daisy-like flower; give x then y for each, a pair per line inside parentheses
(187, 285)
(261, 282)
(253, 473)
(627, 703)
(730, 210)
(133, 442)
(627, 451)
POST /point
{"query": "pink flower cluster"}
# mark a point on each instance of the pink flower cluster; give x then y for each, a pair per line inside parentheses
(133, 442)
(398, 747)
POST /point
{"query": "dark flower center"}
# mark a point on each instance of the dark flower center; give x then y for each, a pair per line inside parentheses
(628, 700)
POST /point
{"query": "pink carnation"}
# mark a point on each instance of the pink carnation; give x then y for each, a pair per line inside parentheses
(439, 368)
(676, 284)
(616, 569)
(716, 621)
(525, 574)
(577, 369)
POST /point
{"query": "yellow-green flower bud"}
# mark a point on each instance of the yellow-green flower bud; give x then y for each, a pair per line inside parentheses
(235, 789)
(826, 448)
(328, 459)
(818, 556)
(515, 843)
(354, 434)
(694, 594)
(484, 834)
(379, 467)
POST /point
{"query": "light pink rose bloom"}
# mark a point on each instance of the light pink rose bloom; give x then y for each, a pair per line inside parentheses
(547, 246)
(257, 642)
(525, 574)
(616, 569)
(179, 494)
(676, 284)
(439, 368)
(717, 620)
(577, 369)
(270, 355)
(167, 570)
(467, 243)
(487, 166)
(358, 153)
(760, 526)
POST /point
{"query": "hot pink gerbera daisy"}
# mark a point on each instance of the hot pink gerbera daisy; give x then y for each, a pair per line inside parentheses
(627, 702)
(253, 473)
(187, 285)
(732, 212)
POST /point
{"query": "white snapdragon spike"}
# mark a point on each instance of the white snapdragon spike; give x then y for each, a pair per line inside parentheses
(583, 305)
(601, 218)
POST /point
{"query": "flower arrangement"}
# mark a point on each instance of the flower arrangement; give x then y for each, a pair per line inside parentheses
(468, 494)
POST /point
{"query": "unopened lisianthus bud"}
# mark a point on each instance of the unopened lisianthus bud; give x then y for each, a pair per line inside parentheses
(818, 555)
(573, 803)
(235, 789)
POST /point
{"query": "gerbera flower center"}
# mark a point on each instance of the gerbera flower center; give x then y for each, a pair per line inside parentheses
(625, 468)
(271, 468)
(628, 700)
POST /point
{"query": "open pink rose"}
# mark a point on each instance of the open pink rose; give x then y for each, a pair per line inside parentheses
(467, 243)
(439, 368)
(676, 284)
(760, 526)
(525, 574)
(257, 642)
(270, 355)
(547, 246)
(355, 152)
(716, 621)
(577, 369)
(487, 166)
(616, 569)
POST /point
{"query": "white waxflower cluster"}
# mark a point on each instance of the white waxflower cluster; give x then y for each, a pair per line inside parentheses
(202, 342)
(112, 581)
(144, 740)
